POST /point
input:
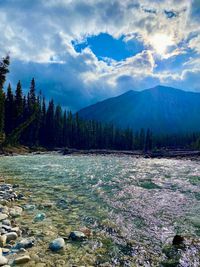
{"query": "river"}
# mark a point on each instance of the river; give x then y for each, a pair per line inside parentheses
(133, 206)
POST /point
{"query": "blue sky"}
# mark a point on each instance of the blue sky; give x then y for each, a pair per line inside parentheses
(81, 52)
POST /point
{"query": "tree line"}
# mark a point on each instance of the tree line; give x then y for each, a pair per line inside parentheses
(29, 120)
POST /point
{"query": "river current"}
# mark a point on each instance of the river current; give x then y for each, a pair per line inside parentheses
(132, 206)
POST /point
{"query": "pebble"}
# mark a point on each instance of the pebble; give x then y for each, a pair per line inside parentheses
(77, 236)
(57, 244)
(22, 259)
(3, 260)
(3, 216)
(11, 236)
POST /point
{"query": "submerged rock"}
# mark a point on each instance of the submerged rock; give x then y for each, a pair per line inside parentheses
(57, 244)
(40, 217)
(77, 236)
(62, 204)
(22, 259)
(25, 243)
(29, 207)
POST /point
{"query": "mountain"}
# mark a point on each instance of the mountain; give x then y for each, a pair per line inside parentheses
(161, 109)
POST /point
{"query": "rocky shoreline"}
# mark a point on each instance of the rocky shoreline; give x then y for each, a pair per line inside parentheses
(15, 241)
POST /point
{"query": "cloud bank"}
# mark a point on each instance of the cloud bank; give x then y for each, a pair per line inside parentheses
(40, 36)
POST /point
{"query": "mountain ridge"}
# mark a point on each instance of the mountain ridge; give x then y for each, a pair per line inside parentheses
(162, 109)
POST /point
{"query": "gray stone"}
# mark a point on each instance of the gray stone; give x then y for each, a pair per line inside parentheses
(22, 259)
(11, 236)
(3, 260)
(6, 222)
(57, 244)
(77, 236)
(3, 216)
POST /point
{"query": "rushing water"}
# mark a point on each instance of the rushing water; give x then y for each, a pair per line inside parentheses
(133, 206)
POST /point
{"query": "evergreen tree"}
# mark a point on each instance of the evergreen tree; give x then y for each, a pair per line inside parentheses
(50, 126)
(58, 126)
(9, 111)
(18, 105)
(4, 64)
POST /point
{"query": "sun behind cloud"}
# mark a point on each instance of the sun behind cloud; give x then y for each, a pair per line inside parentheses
(160, 42)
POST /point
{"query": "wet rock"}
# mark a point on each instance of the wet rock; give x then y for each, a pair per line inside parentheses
(22, 259)
(178, 240)
(15, 186)
(40, 217)
(3, 260)
(20, 196)
(16, 212)
(46, 205)
(6, 227)
(5, 250)
(3, 216)
(57, 244)
(29, 207)
(11, 236)
(77, 236)
(16, 230)
(25, 243)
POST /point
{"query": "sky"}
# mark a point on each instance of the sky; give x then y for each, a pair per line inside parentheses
(83, 51)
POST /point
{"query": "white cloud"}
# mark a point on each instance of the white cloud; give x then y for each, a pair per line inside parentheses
(41, 31)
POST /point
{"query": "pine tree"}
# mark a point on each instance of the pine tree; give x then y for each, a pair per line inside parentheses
(50, 125)
(9, 111)
(18, 105)
(4, 64)
(58, 126)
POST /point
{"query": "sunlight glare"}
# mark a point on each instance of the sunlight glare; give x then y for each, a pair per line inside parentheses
(160, 42)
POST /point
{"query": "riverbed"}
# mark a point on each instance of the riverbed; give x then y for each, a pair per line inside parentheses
(131, 208)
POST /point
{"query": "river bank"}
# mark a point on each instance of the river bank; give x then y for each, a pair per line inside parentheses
(165, 153)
